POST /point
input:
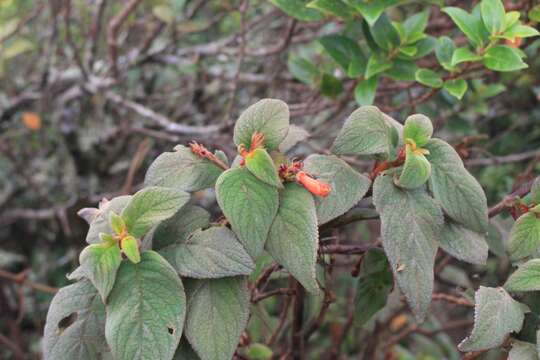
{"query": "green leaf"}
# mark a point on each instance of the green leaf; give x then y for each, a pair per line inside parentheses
(377, 64)
(250, 206)
(365, 90)
(534, 13)
(503, 58)
(411, 222)
(525, 278)
(295, 135)
(372, 10)
(456, 87)
(182, 170)
(458, 192)
(164, 13)
(298, 10)
(330, 85)
(524, 236)
(496, 315)
(429, 78)
(130, 248)
(419, 128)
(414, 27)
(100, 262)
(402, 70)
(117, 223)
(384, 33)
(493, 15)
(151, 205)
(374, 285)
(333, 7)
(463, 244)
(303, 70)
(416, 170)
(258, 351)
(444, 51)
(177, 228)
(348, 186)
(535, 191)
(100, 221)
(522, 351)
(365, 132)
(294, 238)
(269, 117)
(83, 338)
(519, 31)
(218, 311)
(343, 50)
(511, 18)
(464, 54)
(469, 24)
(212, 253)
(145, 310)
(260, 164)
(17, 47)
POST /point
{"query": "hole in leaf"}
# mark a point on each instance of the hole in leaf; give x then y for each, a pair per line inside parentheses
(67, 322)
(171, 330)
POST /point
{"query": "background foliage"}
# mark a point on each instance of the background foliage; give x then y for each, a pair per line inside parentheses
(91, 92)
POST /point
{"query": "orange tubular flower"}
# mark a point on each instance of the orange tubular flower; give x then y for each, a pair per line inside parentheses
(314, 186)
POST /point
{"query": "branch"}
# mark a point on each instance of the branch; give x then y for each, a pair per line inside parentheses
(509, 199)
(22, 279)
(497, 160)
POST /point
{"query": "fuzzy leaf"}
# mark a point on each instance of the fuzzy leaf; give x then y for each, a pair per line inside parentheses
(218, 311)
(177, 228)
(411, 222)
(250, 206)
(295, 135)
(348, 186)
(99, 263)
(150, 206)
(100, 223)
(146, 310)
(294, 238)
(212, 253)
(416, 170)
(269, 117)
(496, 315)
(182, 170)
(525, 278)
(419, 128)
(260, 164)
(522, 350)
(365, 132)
(463, 244)
(460, 195)
(84, 337)
(524, 236)
(535, 191)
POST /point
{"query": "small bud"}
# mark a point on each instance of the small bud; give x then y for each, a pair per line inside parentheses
(130, 247)
(314, 186)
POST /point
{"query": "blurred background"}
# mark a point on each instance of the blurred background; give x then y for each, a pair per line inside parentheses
(91, 91)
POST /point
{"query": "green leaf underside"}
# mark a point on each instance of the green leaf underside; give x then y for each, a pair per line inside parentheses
(419, 128)
(177, 228)
(212, 253)
(101, 224)
(294, 239)
(150, 206)
(365, 132)
(416, 170)
(496, 315)
(260, 164)
(411, 222)
(460, 195)
(525, 278)
(146, 310)
(99, 264)
(182, 170)
(374, 285)
(218, 311)
(348, 186)
(250, 206)
(82, 339)
(524, 236)
(463, 244)
(269, 117)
